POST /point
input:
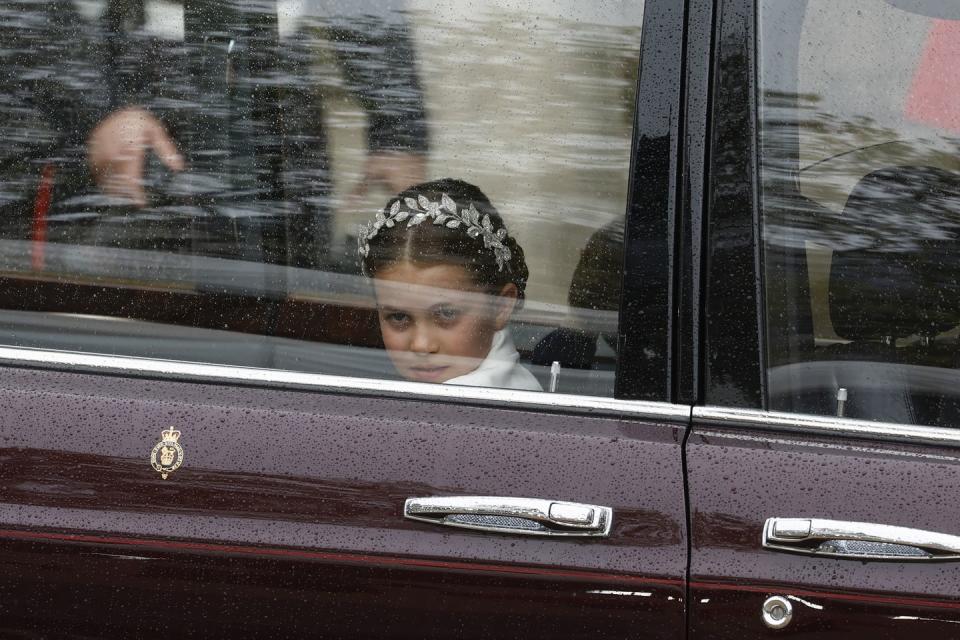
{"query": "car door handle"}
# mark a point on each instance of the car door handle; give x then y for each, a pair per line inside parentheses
(528, 516)
(858, 540)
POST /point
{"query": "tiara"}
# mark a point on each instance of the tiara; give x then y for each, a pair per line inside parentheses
(445, 212)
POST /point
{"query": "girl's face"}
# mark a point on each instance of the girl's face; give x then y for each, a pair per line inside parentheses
(436, 323)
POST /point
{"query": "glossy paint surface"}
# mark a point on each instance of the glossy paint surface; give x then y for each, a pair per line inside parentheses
(646, 309)
(285, 518)
(689, 279)
(739, 478)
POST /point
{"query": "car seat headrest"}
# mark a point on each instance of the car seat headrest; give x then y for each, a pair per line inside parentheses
(894, 263)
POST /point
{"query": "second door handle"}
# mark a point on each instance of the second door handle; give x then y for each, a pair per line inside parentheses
(858, 540)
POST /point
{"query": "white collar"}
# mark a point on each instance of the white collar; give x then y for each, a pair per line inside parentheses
(501, 368)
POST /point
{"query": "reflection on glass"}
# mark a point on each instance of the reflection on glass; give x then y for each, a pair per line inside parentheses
(203, 168)
(861, 205)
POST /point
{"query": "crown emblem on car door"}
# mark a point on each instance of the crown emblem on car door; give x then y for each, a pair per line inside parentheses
(167, 456)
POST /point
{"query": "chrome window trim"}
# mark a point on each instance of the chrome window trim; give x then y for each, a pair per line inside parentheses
(180, 371)
(825, 425)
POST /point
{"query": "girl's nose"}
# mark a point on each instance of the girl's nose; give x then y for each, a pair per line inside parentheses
(423, 342)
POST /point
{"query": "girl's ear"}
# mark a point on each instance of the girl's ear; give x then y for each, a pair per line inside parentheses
(506, 302)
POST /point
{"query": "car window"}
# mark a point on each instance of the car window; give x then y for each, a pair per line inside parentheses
(416, 190)
(860, 133)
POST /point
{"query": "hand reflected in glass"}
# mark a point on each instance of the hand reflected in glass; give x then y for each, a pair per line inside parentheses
(117, 149)
(394, 170)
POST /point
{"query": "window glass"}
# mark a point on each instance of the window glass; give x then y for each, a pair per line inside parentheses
(860, 139)
(198, 181)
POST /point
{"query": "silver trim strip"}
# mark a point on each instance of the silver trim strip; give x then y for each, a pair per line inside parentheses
(828, 425)
(275, 378)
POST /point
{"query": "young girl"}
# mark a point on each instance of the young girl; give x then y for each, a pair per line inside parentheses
(447, 277)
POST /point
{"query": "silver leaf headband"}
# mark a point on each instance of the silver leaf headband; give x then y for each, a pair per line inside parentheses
(445, 212)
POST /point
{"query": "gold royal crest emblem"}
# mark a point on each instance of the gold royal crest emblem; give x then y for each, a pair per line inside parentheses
(167, 456)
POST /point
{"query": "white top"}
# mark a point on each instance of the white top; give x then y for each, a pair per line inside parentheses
(500, 369)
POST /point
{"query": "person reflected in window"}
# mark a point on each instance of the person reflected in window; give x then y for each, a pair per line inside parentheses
(243, 90)
(215, 116)
(55, 99)
(447, 277)
(56, 104)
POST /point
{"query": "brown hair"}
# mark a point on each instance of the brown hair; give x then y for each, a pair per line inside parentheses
(429, 244)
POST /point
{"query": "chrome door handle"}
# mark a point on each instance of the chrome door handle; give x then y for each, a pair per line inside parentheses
(528, 516)
(858, 540)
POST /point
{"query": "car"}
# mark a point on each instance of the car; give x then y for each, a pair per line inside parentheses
(740, 219)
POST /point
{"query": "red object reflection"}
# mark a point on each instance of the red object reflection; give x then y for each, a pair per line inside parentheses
(934, 96)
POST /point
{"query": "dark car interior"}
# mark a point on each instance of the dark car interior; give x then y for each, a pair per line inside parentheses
(893, 304)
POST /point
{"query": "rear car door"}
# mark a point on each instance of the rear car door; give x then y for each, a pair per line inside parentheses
(823, 460)
(201, 434)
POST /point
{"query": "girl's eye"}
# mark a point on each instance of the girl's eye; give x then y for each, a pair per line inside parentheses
(398, 318)
(447, 314)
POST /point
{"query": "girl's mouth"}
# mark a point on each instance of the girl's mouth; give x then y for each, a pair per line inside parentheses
(429, 374)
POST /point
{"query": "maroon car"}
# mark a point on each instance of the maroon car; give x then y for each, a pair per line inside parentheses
(711, 388)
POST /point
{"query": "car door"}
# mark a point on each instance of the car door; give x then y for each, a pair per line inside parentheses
(824, 453)
(201, 437)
